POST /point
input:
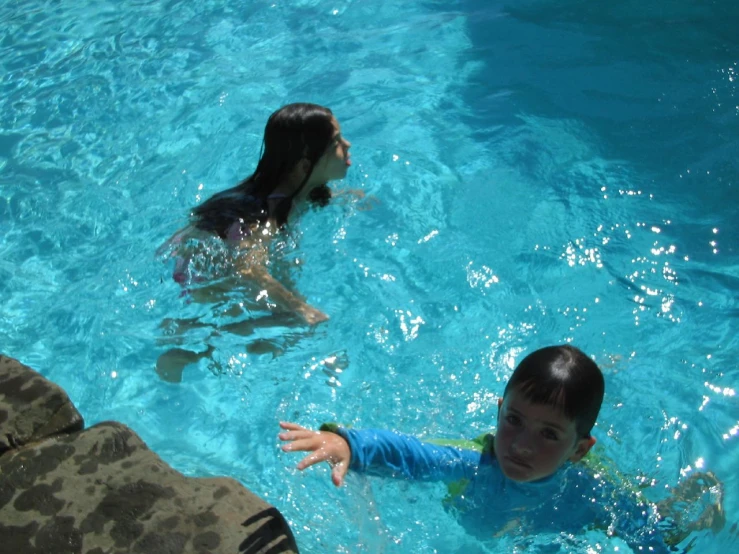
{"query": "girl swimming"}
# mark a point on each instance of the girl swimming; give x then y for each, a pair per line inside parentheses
(303, 149)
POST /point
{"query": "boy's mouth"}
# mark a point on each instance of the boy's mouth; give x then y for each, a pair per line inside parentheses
(517, 461)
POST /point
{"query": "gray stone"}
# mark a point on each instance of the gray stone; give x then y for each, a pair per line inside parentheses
(102, 490)
(31, 407)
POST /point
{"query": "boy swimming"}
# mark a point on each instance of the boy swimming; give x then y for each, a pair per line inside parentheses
(526, 477)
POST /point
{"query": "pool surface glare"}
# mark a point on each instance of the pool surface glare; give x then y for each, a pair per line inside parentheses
(545, 172)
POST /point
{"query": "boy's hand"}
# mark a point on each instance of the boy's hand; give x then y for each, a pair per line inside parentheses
(324, 447)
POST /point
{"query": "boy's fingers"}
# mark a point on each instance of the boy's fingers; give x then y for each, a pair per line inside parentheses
(297, 435)
(304, 445)
(292, 426)
(312, 459)
(338, 473)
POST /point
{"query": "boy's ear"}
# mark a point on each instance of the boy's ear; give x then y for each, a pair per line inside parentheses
(500, 403)
(582, 448)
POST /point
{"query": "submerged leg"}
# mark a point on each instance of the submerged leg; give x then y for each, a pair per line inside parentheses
(171, 364)
(694, 505)
(174, 329)
(248, 326)
(260, 346)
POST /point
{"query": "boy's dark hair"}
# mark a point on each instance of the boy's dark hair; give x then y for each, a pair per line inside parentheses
(563, 377)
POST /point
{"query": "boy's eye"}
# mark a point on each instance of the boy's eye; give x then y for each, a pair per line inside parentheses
(549, 434)
(513, 419)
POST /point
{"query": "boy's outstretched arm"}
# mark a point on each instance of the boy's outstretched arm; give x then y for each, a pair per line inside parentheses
(323, 447)
(382, 453)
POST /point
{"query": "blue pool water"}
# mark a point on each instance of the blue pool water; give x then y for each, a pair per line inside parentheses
(545, 171)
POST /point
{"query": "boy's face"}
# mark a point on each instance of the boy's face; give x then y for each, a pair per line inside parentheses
(534, 440)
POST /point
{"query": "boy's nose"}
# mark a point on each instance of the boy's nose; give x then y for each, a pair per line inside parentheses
(521, 448)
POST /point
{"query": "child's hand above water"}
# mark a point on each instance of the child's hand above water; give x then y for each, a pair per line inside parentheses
(323, 447)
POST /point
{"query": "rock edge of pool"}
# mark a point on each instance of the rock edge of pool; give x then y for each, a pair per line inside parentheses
(101, 490)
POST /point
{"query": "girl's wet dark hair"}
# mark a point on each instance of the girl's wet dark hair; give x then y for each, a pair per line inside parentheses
(293, 133)
(563, 377)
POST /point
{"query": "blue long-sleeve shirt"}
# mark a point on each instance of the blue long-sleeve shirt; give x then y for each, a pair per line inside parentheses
(488, 504)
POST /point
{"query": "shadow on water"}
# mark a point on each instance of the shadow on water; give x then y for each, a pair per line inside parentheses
(657, 82)
(272, 525)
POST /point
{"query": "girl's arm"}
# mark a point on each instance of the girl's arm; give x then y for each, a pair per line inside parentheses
(363, 201)
(277, 292)
(253, 266)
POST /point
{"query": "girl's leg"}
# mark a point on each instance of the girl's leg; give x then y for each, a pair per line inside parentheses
(171, 364)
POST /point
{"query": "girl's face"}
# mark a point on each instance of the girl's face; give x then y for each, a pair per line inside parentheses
(534, 440)
(335, 160)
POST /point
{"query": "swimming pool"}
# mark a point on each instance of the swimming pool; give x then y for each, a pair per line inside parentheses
(547, 172)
